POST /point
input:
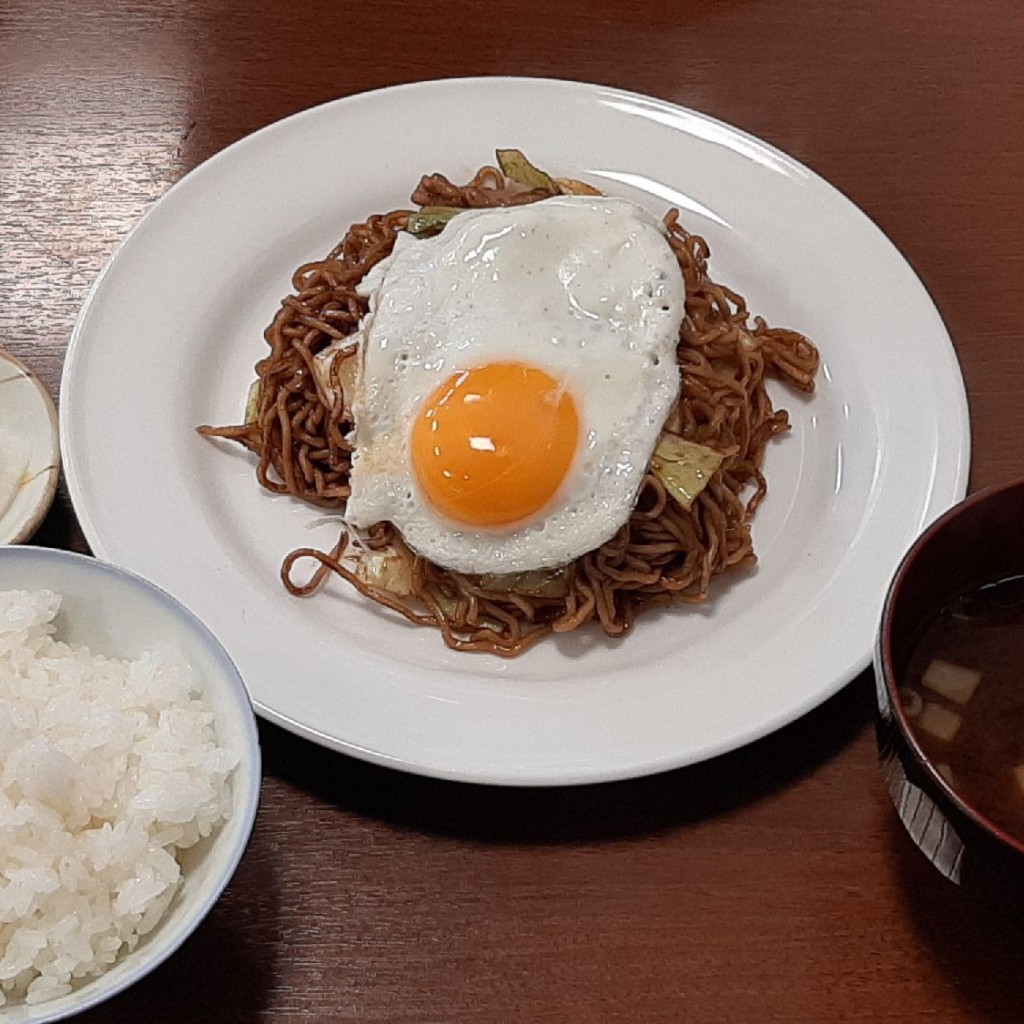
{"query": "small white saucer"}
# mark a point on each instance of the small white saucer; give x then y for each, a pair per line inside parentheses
(28, 442)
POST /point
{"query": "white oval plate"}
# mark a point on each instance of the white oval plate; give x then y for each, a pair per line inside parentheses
(28, 451)
(170, 332)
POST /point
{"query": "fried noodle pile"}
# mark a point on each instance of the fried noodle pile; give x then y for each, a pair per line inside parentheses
(664, 553)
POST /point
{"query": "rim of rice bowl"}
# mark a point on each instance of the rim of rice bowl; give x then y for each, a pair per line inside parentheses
(116, 613)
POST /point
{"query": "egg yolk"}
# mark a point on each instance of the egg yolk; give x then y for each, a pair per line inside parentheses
(491, 445)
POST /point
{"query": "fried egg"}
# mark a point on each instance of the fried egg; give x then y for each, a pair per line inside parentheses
(513, 375)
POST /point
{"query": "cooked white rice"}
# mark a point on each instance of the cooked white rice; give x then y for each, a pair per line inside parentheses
(107, 769)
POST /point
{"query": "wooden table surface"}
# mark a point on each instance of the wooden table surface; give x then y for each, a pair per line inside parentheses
(773, 884)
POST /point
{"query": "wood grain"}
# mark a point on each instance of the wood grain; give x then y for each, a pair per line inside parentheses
(773, 884)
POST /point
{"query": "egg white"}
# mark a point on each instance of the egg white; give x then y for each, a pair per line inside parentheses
(584, 287)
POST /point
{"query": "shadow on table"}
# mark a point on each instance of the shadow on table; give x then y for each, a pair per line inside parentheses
(224, 971)
(60, 528)
(561, 814)
(975, 947)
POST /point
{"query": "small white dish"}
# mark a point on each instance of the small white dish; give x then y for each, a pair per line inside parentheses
(29, 451)
(116, 613)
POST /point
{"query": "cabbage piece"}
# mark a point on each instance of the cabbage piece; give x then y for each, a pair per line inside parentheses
(430, 220)
(684, 467)
(449, 606)
(252, 402)
(389, 569)
(533, 583)
(516, 167)
(323, 365)
(573, 187)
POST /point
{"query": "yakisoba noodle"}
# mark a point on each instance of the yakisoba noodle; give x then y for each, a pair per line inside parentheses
(664, 553)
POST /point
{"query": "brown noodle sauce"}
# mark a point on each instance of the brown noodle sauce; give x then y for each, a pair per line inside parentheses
(663, 553)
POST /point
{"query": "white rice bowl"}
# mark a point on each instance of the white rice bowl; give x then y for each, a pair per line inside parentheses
(129, 779)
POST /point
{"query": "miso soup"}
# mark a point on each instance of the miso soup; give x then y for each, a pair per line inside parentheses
(963, 693)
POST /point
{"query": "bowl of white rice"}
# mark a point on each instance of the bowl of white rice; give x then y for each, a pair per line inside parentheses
(129, 779)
